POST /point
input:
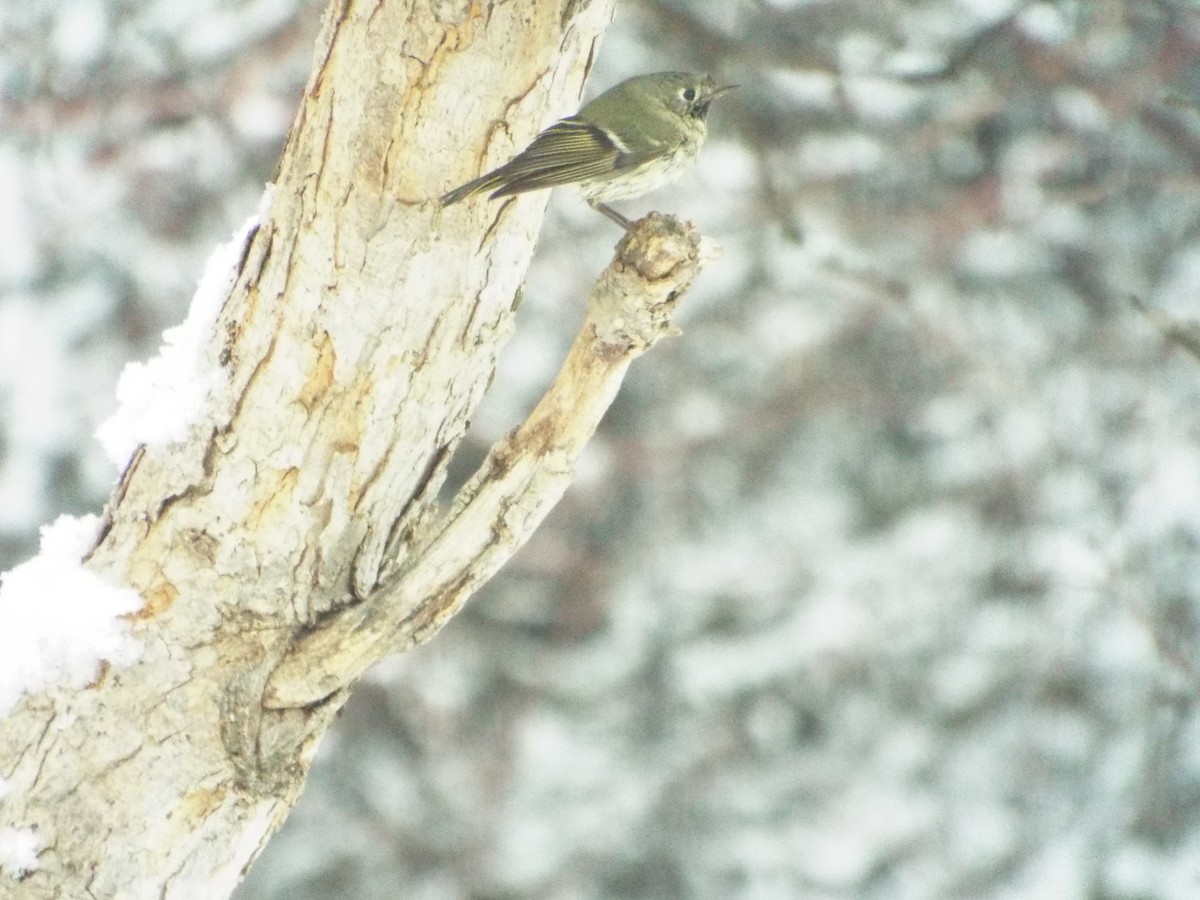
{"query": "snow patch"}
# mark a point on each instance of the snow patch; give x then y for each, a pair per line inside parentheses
(59, 620)
(18, 851)
(160, 399)
(82, 32)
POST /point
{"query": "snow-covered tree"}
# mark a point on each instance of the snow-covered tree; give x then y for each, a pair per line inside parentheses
(878, 583)
(169, 669)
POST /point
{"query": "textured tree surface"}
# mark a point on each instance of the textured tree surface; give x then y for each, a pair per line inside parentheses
(361, 330)
(880, 584)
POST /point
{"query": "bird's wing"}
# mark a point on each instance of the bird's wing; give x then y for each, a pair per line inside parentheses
(565, 153)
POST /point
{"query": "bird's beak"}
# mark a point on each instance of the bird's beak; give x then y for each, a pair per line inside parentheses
(702, 106)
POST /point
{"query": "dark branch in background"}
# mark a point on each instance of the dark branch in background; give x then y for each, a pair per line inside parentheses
(1184, 333)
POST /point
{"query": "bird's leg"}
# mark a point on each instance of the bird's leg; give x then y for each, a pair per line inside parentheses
(612, 214)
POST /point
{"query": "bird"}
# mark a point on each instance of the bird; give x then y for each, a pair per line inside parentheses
(635, 137)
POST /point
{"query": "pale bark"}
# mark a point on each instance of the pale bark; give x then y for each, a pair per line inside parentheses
(361, 331)
(522, 478)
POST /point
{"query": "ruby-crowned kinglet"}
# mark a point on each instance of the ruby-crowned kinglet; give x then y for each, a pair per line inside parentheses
(633, 138)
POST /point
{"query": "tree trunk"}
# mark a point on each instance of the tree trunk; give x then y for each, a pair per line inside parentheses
(362, 328)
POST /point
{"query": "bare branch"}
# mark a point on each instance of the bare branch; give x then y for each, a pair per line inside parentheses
(519, 482)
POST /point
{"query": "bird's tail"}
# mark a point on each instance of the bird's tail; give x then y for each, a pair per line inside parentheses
(480, 185)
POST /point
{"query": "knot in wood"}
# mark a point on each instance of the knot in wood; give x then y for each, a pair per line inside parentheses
(636, 296)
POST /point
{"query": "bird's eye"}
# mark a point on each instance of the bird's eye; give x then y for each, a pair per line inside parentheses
(688, 94)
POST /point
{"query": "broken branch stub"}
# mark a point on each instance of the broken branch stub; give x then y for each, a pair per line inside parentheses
(523, 476)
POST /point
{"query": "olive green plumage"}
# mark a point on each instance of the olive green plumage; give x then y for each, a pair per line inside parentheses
(635, 137)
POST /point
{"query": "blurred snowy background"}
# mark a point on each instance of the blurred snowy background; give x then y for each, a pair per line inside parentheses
(883, 581)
